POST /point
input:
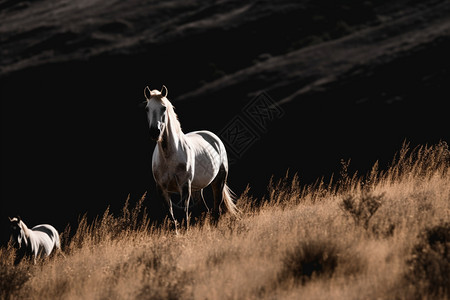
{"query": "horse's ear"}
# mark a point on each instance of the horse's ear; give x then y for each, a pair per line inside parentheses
(149, 93)
(10, 219)
(18, 218)
(164, 91)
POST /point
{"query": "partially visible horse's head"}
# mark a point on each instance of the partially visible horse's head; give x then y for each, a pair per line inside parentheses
(18, 231)
(156, 109)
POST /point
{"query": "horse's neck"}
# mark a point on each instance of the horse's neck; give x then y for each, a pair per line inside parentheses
(172, 138)
(25, 229)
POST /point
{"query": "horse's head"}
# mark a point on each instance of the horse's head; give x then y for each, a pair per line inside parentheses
(156, 111)
(18, 231)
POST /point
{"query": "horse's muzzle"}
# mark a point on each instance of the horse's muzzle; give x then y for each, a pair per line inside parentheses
(154, 133)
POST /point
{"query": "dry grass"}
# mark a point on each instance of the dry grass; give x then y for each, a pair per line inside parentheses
(370, 237)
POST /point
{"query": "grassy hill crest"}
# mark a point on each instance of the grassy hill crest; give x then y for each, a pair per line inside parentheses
(382, 235)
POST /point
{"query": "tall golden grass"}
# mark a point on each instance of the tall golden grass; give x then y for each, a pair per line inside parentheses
(385, 235)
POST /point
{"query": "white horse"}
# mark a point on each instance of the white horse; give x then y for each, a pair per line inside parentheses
(37, 242)
(186, 163)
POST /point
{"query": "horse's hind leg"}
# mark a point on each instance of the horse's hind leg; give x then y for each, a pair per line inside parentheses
(203, 199)
(217, 186)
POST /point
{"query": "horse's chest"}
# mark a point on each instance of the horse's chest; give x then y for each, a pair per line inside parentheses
(171, 176)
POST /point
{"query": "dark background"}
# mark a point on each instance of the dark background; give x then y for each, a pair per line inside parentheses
(353, 80)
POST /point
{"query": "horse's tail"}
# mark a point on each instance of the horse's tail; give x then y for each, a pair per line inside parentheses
(59, 250)
(57, 241)
(228, 199)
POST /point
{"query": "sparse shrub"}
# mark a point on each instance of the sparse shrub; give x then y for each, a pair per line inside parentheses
(345, 181)
(422, 161)
(285, 191)
(108, 227)
(162, 279)
(383, 229)
(12, 278)
(429, 265)
(309, 259)
(362, 209)
(218, 257)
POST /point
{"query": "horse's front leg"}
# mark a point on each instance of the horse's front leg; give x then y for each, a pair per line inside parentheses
(166, 197)
(175, 223)
(186, 197)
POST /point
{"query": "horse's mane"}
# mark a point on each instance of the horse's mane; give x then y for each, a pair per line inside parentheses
(173, 117)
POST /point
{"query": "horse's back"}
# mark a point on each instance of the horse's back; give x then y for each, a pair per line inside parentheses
(209, 140)
(45, 237)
